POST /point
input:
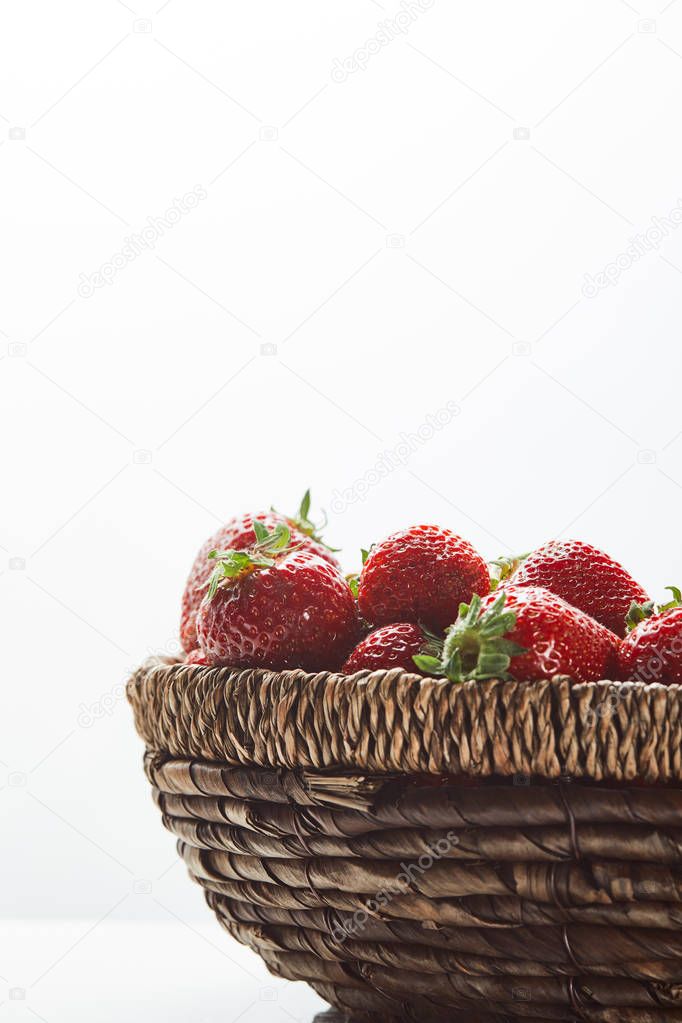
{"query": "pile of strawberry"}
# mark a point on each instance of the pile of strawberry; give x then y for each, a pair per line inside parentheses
(265, 591)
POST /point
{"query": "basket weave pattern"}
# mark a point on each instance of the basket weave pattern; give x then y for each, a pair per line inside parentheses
(421, 851)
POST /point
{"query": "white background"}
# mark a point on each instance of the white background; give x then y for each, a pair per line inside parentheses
(415, 235)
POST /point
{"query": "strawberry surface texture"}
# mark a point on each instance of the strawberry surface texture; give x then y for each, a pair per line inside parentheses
(391, 646)
(585, 577)
(421, 574)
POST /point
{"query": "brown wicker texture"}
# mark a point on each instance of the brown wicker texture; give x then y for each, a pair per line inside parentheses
(422, 851)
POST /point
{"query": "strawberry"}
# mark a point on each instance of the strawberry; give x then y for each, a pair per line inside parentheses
(585, 577)
(652, 652)
(238, 534)
(421, 574)
(391, 646)
(276, 605)
(524, 633)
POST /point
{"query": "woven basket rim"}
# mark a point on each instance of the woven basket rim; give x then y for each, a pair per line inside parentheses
(393, 721)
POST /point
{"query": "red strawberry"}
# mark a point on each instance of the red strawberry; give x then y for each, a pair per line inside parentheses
(524, 633)
(238, 534)
(391, 646)
(276, 606)
(583, 576)
(421, 574)
(653, 650)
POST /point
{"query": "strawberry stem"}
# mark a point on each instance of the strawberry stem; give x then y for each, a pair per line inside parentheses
(504, 568)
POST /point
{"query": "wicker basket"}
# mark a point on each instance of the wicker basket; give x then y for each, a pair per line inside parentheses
(418, 850)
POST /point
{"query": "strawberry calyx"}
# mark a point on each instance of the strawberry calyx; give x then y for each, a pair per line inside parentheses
(504, 568)
(235, 564)
(675, 602)
(475, 646)
(304, 524)
(638, 613)
(353, 579)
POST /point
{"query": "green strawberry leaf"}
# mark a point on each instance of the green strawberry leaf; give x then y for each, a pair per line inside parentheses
(304, 509)
(476, 646)
(304, 524)
(260, 530)
(638, 613)
(279, 539)
(429, 665)
(354, 577)
(675, 602)
(233, 564)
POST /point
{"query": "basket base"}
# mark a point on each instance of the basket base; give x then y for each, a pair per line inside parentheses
(406, 899)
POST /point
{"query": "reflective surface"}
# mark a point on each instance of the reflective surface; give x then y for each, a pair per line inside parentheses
(168, 970)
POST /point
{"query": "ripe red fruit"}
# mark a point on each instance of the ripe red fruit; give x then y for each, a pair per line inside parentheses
(585, 577)
(525, 633)
(277, 607)
(421, 574)
(237, 534)
(653, 651)
(391, 646)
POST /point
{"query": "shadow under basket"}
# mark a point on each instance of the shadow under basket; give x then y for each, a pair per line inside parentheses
(418, 850)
